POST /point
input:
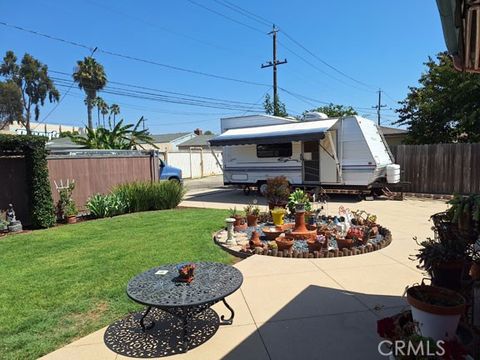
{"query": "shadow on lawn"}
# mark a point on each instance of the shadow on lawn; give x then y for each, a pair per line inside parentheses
(320, 323)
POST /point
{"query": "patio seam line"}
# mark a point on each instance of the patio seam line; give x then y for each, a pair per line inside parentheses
(319, 316)
(281, 273)
(336, 282)
(256, 325)
(399, 262)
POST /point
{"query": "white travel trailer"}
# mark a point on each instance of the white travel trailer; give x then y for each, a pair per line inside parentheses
(348, 152)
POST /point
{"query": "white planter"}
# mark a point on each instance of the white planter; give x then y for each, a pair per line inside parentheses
(437, 321)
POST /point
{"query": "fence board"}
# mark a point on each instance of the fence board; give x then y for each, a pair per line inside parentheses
(440, 168)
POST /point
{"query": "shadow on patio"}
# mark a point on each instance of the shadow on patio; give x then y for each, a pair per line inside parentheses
(320, 323)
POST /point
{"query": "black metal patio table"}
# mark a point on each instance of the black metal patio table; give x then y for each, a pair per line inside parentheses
(188, 302)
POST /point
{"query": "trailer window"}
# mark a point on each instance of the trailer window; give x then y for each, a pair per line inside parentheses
(274, 150)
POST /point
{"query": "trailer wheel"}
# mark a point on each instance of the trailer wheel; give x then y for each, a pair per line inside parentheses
(262, 188)
(246, 190)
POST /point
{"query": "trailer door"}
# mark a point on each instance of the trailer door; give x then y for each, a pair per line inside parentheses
(328, 158)
(311, 163)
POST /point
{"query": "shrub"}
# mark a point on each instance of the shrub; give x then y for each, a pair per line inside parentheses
(145, 196)
(278, 190)
(101, 206)
(42, 210)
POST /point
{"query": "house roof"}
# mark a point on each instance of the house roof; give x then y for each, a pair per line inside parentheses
(392, 131)
(199, 140)
(166, 138)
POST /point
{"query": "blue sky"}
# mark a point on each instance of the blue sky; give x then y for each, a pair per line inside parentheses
(379, 43)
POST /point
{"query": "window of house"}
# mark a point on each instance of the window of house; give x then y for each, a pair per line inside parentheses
(274, 150)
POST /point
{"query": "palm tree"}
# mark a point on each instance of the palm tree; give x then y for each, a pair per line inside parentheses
(114, 110)
(91, 78)
(120, 137)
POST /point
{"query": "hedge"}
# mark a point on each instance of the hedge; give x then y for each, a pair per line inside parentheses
(42, 210)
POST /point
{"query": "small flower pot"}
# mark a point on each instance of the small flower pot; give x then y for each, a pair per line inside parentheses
(436, 310)
(278, 217)
(314, 245)
(252, 220)
(71, 219)
(284, 243)
(239, 220)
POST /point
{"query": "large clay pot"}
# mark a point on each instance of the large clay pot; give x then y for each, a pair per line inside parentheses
(252, 220)
(72, 219)
(344, 243)
(314, 245)
(255, 240)
(436, 310)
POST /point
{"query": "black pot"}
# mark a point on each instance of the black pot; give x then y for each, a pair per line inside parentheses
(449, 275)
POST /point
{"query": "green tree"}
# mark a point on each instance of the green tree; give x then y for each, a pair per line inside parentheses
(444, 108)
(11, 105)
(91, 77)
(334, 110)
(124, 137)
(277, 109)
(208, 132)
(31, 77)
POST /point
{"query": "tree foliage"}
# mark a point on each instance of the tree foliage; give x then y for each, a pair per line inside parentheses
(90, 77)
(124, 137)
(276, 109)
(444, 108)
(31, 77)
(334, 110)
(11, 105)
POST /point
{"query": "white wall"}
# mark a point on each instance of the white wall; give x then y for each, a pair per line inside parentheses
(194, 164)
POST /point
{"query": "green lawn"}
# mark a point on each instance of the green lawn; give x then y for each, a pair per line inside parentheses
(60, 284)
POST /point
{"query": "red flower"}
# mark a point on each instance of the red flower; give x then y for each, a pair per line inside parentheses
(386, 328)
(454, 350)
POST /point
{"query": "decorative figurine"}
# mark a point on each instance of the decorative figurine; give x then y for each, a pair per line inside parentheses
(185, 272)
(11, 214)
(14, 225)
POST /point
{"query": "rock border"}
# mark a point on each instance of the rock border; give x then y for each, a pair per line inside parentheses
(387, 239)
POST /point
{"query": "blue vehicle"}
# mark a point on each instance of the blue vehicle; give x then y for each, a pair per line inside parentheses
(168, 172)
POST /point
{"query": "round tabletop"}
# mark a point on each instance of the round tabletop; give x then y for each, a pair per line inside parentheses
(211, 283)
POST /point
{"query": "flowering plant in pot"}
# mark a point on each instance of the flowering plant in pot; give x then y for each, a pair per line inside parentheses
(185, 272)
(277, 191)
(252, 211)
(299, 201)
(66, 207)
(239, 218)
(436, 310)
(277, 214)
(444, 259)
(71, 212)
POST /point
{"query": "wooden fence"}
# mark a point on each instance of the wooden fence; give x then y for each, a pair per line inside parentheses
(440, 168)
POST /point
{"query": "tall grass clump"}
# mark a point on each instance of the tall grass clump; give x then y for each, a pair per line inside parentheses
(145, 196)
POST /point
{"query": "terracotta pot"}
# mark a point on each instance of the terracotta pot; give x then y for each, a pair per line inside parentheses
(284, 243)
(71, 219)
(314, 245)
(449, 274)
(344, 243)
(255, 240)
(252, 220)
(436, 310)
(239, 220)
(475, 271)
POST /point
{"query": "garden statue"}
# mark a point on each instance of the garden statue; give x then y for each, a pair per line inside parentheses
(230, 235)
(14, 225)
(10, 214)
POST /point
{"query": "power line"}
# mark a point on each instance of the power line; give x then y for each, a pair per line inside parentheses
(225, 16)
(151, 62)
(245, 12)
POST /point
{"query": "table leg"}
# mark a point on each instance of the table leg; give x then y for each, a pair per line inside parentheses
(142, 320)
(228, 321)
(185, 333)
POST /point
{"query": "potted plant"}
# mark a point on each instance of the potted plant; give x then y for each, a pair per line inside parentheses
(278, 213)
(284, 243)
(71, 212)
(436, 310)
(299, 201)
(252, 211)
(239, 219)
(277, 192)
(465, 214)
(185, 272)
(318, 243)
(444, 260)
(66, 208)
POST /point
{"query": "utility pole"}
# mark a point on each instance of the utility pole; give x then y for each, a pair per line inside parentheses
(274, 64)
(379, 106)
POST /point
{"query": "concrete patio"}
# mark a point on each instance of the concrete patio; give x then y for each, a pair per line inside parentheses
(306, 308)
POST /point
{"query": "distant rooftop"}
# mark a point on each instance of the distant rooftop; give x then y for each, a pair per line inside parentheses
(392, 131)
(165, 138)
(63, 143)
(199, 140)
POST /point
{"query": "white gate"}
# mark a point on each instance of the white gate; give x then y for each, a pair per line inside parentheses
(195, 163)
